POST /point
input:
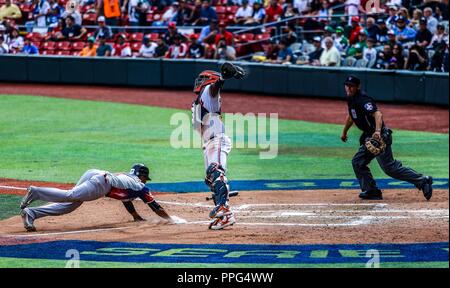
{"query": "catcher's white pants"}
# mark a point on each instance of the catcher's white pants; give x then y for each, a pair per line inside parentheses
(217, 150)
(91, 186)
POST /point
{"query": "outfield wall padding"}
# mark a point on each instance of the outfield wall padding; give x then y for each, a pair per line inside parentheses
(291, 80)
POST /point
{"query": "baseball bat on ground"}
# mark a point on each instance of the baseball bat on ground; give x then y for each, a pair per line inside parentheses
(231, 194)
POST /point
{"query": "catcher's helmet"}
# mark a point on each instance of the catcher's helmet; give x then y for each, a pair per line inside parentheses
(140, 170)
(204, 79)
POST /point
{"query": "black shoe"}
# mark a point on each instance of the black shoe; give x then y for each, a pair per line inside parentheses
(427, 187)
(371, 195)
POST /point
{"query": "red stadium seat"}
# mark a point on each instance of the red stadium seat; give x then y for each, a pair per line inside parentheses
(153, 36)
(36, 37)
(232, 9)
(261, 37)
(89, 18)
(246, 37)
(63, 53)
(221, 9)
(136, 46)
(26, 8)
(48, 52)
(150, 17)
(49, 45)
(78, 46)
(136, 37)
(64, 46)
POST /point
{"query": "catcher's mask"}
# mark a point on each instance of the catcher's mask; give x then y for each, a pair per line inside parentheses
(204, 79)
(140, 170)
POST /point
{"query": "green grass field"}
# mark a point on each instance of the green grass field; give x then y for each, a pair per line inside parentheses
(56, 140)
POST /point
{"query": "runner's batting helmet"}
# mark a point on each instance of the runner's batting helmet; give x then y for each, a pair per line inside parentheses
(204, 79)
(140, 170)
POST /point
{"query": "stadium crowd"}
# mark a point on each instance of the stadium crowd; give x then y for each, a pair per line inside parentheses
(397, 34)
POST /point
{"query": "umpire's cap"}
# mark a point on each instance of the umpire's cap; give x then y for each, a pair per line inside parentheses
(140, 170)
(352, 80)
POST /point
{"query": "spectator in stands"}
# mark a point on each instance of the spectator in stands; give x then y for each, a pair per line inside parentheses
(404, 13)
(122, 48)
(355, 30)
(390, 21)
(40, 11)
(340, 41)
(302, 6)
(103, 49)
(270, 51)
(4, 49)
(403, 33)
(90, 50)
(225, 51)
(10, 10)
(370, 53)
(29, 48)
(207, 13)
(415, 21)
(224, 34)
(172, 33)
(147, 49)
(137, 11)
(161, 49)
(352, 8)
(288, 11)
(210, 51)
(417, 59)
(398, 59)
(15, 41)
(440, 37)
(384, 57)
(356, 49)
(168, 16)
(371, 28)
(183, 14)
(291, 36)
(208, 33)
(330, 55)
(72, 31)
(431, 21)
(273, 11)
(285, 54)
(195, 13)
(177, 50)
(314, 56)
(382, 36)
(392, 39)
(423, 36)
(196, 50)
(75, 14)
(258, 15)
(54, 13)
(112, 12)
(324, 13)
(103, 30)
(243, 14)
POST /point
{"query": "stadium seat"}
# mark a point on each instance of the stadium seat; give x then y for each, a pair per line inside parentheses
(49, 45)
(78, 46)
(136, 46)
(221, 10)
(63, 53)
(36, 37)
(246, 37)
(262, 37)
(150, 17)
(136, 37)
(63, 46)
(89, 18)
(47, 52)
(232, 9)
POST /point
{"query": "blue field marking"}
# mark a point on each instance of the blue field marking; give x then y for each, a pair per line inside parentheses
(310, 184)
(233, 253)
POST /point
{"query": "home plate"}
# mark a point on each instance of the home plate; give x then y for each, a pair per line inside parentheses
(178, 220)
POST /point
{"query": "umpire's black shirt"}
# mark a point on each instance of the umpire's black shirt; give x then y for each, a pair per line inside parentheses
(360, 108)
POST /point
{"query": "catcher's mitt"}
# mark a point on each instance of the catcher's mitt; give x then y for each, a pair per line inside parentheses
(375, 146)
(230, 70)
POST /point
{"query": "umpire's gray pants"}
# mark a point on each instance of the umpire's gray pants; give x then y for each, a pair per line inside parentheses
(390, 166)
(91, 186)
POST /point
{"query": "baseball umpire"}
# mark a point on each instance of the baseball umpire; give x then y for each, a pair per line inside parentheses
(375, 141)
(93, 185)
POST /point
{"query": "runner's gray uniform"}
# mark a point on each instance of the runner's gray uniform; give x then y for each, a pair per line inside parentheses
(93, 185)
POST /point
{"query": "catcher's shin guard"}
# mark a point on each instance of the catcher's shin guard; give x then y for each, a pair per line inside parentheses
(218, 183)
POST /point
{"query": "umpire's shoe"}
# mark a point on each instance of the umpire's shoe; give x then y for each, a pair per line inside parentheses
(427, 187)
(28, 221)
(371, 195)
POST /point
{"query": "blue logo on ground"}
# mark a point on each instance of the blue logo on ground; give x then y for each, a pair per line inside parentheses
(251, 254)
(247, 185)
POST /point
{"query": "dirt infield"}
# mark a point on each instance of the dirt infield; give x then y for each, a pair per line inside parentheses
(292, 217)
(408, 117)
